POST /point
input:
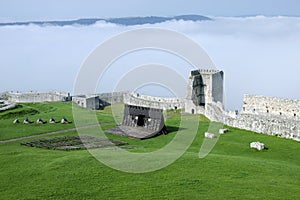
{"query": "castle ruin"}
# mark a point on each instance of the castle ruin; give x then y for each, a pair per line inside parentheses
(268, 115)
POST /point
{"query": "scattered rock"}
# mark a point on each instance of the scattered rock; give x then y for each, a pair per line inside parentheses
(257, 145)
(210, 135)
(224, 130)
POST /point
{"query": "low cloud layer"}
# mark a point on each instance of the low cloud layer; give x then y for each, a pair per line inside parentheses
(259, 55)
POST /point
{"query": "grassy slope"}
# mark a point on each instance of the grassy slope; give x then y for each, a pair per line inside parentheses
(231, 170)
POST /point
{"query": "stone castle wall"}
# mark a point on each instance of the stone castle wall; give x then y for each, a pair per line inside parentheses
(112, 98)
(154, 102)
(271, 106)
(29, 97)
(268, 115)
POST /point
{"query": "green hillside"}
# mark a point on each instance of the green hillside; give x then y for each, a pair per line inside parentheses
(231, 171)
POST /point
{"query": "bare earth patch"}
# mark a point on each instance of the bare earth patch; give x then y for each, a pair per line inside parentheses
(75, 143)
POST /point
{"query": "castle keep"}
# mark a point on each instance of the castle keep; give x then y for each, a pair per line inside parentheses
(205, 87)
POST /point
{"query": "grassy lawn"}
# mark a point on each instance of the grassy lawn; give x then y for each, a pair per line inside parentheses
(231, 171)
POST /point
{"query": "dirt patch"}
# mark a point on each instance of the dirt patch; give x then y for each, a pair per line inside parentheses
(75, 143)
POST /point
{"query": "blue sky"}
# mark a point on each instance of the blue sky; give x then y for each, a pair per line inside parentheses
(20, 10)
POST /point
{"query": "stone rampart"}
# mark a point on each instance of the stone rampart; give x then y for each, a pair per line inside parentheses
(268, 115)
(275, 125)
(154, 102)
(29, 97)
(271, 106)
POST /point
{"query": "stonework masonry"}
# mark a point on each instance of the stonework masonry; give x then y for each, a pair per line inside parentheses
(205, 86)
(154, 102)
(271, 106)
(29, 97)
(268, 115)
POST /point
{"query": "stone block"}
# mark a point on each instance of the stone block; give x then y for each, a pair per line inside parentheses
(210, 135)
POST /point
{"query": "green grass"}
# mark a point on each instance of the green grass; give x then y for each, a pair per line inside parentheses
(231, 171)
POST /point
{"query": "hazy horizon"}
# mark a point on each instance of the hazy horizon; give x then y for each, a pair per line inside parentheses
(257, 54)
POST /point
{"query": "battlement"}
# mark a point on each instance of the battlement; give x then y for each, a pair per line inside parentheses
(204, 71)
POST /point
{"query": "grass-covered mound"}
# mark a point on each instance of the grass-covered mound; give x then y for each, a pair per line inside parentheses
(231, 171)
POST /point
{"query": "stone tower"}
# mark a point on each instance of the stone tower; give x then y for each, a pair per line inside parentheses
(205, 87)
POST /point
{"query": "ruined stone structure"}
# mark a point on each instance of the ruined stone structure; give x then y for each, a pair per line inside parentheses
(269, 115)
(271, 106)
(205, 87)
(140, 122)
(154, 102)
(91, 102)
(29, 97)
(98, 101)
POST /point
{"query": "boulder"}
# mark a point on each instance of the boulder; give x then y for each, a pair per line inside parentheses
(223, 130)
(210, 135)
(16, 121)
(257, 145)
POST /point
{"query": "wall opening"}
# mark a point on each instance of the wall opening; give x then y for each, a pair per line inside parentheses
(198, 92)
(141, 120)
(193, 111)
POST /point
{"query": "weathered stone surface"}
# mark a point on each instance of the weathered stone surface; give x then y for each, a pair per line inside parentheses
(140, 122)
(154, 102)
(205, 87)
(257, 145)
(224, 130)
(210, 135)
(36, 96)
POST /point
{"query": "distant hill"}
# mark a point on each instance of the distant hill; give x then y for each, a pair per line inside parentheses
(126, 21)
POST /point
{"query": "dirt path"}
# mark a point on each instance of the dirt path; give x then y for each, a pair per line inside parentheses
(49, 133)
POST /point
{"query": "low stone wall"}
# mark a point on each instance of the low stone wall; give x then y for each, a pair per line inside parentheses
(112, 98)
(271, 106)
(154, 102)
(29, 97)
(279, 126)
(8, 106)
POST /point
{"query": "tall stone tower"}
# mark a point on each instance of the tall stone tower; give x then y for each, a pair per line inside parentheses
(205, 87)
